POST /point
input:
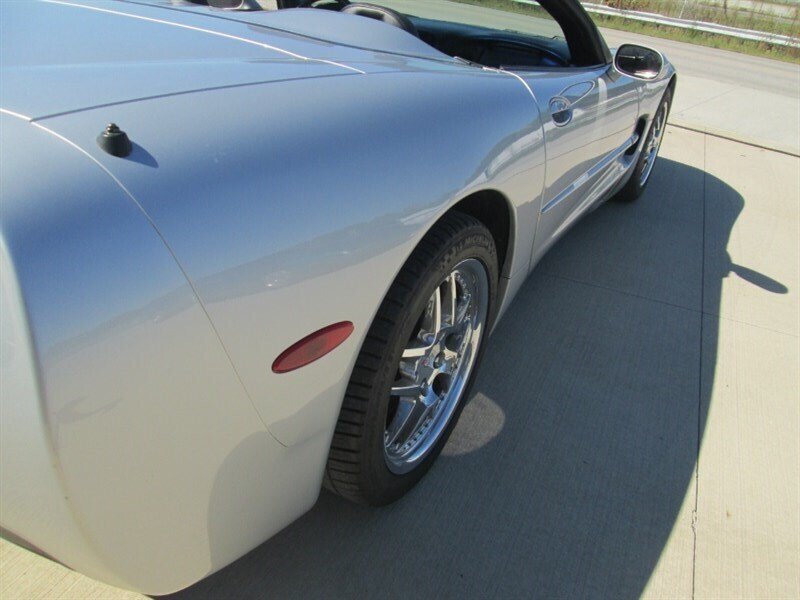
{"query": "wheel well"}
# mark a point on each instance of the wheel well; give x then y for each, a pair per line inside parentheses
(492, 209)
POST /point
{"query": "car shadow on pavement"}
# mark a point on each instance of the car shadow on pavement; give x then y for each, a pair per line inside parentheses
(574, 461)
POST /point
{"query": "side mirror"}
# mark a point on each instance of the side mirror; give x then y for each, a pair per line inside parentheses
(638, 61)
(227, 4)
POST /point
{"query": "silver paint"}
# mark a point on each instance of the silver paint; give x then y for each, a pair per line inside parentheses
(284, 166)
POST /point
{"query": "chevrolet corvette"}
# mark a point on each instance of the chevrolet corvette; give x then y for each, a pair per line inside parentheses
(254, 248)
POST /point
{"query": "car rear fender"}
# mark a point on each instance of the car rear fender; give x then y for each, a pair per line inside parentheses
(130, 450)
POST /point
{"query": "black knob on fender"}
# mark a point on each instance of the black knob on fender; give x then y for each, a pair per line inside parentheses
(114, 141)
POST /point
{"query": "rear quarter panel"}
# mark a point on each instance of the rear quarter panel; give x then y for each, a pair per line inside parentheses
(130, 450)
(292, 206)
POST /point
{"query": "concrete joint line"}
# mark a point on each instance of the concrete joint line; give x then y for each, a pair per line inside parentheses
(732, 137)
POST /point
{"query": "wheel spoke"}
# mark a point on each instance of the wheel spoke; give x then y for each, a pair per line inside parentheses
(415, 352)
(431, 328)
(436, 317)
(413, 390)
(405, 409)
(432, 376)
(408, 420)
(451, 299)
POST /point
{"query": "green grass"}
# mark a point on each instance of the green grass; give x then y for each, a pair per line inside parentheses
(723, 42)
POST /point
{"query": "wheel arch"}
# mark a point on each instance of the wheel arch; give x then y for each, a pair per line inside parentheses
(495, 211)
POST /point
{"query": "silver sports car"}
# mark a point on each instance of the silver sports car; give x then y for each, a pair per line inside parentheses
(254, 248)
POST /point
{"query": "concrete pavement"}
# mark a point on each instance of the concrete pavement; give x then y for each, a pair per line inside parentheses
(26, 576)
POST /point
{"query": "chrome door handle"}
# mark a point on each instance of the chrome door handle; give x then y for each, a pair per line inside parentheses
(560, 111)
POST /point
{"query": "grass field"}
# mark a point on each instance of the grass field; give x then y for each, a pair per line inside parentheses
(712, 11)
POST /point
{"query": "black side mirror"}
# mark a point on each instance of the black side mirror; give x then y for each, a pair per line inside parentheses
(638, 61)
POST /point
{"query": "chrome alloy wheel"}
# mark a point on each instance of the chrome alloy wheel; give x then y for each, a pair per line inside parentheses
(654, 143)
(436, 365)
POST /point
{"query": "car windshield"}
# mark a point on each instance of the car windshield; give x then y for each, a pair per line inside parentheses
(510, 15)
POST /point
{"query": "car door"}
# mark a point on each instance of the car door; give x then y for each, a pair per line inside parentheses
(590, 117)
(589, 110)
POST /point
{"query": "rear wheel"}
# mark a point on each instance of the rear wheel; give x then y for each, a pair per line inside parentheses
(649, 153)
(416, 365)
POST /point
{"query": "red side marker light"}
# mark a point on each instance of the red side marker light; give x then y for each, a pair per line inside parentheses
(312, 347)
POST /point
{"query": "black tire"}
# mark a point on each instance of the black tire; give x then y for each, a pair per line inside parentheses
(635, 187)
(357, 468)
